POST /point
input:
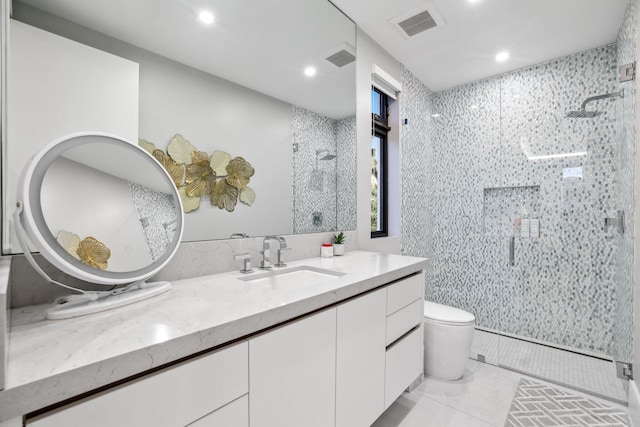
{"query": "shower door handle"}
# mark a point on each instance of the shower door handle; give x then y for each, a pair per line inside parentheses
(512, 251)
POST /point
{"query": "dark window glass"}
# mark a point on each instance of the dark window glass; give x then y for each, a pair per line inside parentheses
(379, 136)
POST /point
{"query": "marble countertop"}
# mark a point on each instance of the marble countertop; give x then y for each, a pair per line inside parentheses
(50, 361)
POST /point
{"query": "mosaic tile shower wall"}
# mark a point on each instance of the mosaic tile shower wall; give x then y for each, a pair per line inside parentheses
(314, 180)
(512, 132)
(625, 112)
(346, 145)
(502, 205)
(323, 186)
(417, 157)
(157, 214)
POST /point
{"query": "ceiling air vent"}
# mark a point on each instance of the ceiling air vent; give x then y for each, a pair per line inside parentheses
(417, 24)
(342, 55)
(419, 21)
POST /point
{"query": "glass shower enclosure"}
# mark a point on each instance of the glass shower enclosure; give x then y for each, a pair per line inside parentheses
(534, 181)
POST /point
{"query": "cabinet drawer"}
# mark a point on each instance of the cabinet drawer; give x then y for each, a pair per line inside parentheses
(404, 292)
(403, 320)
(403, 365)
(234, 414)
(173, 397)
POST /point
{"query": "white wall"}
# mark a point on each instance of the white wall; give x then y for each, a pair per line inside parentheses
(104, 209)
(51, 81)
(370, 53)
(213, 114)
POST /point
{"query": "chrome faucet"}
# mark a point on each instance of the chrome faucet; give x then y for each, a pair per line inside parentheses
(266, 252)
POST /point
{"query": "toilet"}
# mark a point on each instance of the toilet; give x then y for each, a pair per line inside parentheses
(448, 333)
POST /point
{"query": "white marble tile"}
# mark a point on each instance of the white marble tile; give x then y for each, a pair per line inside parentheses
(481, 398)
(484, 392)
(411, 411)
(634, 404)
(193, 259)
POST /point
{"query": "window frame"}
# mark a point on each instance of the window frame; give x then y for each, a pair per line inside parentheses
(380, 128)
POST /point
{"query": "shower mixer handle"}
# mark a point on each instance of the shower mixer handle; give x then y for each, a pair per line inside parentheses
(617, 222)
(512, 251)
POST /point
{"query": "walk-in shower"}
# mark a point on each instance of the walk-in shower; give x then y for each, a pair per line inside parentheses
(565, 287)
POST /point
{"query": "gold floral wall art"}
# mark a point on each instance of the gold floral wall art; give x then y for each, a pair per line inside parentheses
(90, 250)
(198, 175)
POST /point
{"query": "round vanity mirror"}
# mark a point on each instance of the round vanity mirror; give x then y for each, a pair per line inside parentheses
(100, 209)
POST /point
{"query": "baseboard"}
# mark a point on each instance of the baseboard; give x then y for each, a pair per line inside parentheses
(418, 381)
(634, 404)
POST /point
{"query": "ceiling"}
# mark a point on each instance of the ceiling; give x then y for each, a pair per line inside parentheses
(266, 46)
(262, 45)
(464, 49)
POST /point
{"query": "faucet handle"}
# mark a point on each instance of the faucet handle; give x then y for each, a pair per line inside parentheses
(246, 257)
(280, 262)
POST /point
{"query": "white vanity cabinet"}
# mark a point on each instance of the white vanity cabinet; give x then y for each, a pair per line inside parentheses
(206, 391)
(404, 338)
(292, 374)
(340, 366)
(360, 360)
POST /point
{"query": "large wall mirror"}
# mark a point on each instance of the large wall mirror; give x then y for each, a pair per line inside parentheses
(254, 112)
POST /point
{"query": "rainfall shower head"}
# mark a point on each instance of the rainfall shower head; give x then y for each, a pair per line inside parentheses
(324, 154)
(584, 114)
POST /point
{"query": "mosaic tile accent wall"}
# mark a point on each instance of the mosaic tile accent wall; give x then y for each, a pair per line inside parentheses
(512, 131)
(417, 156)
(467, 264)
(502, 205)
(157, 214)
(625, 112)
(316, 185)
(346, 145)
(314, 181)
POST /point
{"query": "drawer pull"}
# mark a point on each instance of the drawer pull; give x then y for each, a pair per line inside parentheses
(390, 346)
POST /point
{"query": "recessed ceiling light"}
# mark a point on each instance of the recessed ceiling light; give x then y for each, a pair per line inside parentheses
(475, 107)
(502, 56)
(474, 1)
(206, 17)
(435, 115)
(309, 71)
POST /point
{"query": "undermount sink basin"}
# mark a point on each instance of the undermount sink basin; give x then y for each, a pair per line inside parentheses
(296, 277)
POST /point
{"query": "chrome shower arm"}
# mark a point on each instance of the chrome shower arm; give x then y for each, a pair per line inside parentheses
(619, 94)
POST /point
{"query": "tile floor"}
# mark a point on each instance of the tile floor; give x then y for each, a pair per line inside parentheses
(482, 398)
(583, 373)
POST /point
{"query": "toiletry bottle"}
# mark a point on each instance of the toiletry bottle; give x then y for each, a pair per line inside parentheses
(516, 226)
(534, 229)
(524, 224)
(326, 251)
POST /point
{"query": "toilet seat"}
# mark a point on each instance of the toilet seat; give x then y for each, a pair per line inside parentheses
(445, 315)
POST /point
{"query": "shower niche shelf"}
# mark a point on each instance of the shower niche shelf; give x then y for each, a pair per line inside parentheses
(502, 205)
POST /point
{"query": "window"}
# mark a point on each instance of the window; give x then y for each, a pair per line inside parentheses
(379, 139)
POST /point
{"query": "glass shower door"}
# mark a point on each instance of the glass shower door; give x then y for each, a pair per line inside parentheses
(565, 170)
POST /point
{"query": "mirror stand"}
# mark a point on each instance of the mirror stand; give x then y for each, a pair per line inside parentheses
(86, 302)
